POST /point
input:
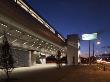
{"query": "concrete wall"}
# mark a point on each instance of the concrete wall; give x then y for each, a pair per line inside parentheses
(21, 58)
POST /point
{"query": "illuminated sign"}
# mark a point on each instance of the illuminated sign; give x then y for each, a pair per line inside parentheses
(89, 36)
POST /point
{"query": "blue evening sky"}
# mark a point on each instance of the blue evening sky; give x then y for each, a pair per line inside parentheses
(77, 17)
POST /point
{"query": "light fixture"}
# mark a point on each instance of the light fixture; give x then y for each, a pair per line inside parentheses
(18, 31)
(39, 46)
(5, 25)
(98, 42)
(29, 35)
(9, 34)
(14, 41)
(1, 36)
(46, 43)
(24, 43)
(32, 45)
(2, 24)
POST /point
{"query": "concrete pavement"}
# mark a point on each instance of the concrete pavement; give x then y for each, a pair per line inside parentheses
(82, 73)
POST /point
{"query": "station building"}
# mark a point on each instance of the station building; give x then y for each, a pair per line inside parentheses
(31, 37)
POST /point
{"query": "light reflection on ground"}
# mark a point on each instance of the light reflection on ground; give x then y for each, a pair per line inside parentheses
(35, 67)
(31, 68)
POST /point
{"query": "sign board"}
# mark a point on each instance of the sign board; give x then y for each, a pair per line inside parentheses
(92, 36)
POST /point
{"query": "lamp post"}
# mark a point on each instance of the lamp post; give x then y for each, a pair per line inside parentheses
(89, 53)
(93, 58)
(98, 43)
(93, 49)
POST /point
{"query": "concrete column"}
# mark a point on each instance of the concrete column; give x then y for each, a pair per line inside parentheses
(72, 56)
(29, 60)
(72, 49)
(69, 59)
(76, 57)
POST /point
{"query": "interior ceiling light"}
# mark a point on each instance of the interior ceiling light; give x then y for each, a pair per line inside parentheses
(14, 41)
(18, 31)
(29, 35)
(1, 36)
(9, 34)
(4, 25)
(25, 43)
(32, 45)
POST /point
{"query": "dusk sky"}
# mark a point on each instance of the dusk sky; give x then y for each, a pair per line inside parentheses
(77, 17)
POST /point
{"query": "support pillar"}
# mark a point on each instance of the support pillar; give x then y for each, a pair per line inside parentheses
(72, 49)
(29, 60)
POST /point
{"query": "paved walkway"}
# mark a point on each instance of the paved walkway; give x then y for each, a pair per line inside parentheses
(82, 73)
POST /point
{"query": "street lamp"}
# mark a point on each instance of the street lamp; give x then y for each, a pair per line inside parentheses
(98, 43)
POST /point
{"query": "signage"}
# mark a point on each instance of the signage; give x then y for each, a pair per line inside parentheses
(92, 36)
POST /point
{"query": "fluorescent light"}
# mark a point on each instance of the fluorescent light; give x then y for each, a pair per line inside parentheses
(14, 41)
